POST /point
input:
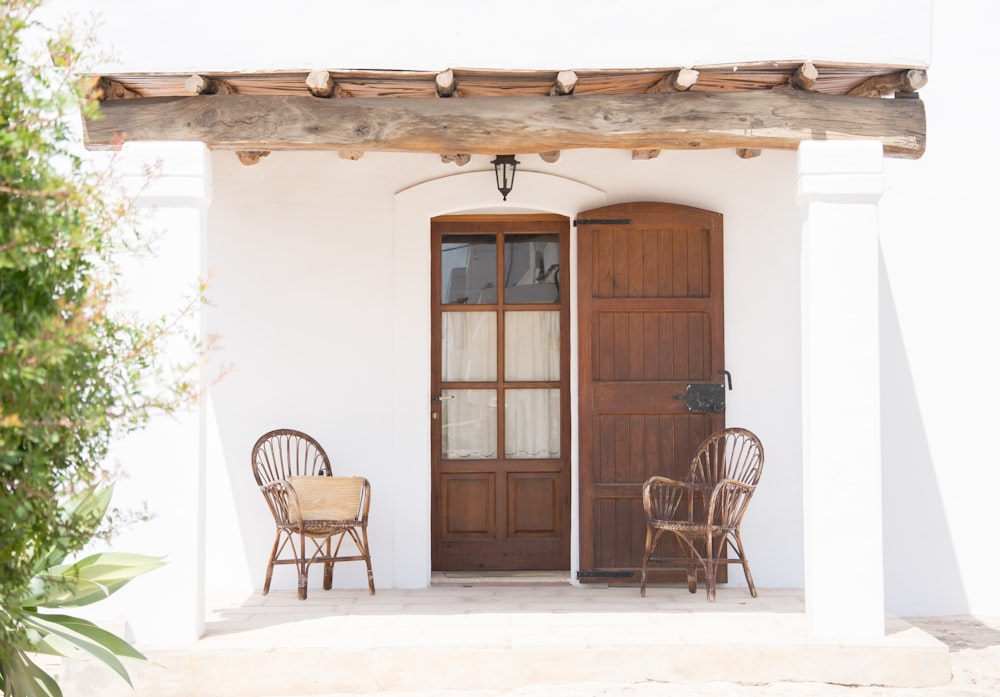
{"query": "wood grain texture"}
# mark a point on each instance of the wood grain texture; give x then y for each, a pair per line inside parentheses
(669, 121)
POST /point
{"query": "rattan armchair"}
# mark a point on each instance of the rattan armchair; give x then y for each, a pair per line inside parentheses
(704, 512)
(310, 506)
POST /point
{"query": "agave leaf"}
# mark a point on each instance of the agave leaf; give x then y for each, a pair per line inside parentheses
(110, 567)
(89, 630)
(92, 639)
(22, 676)
(47, 590)
(86, 581)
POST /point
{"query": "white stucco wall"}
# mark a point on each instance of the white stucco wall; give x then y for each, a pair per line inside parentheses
(181, 35)
(293, 237)
(940, 246)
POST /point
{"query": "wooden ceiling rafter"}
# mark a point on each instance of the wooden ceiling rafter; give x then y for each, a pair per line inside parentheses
(891, 84)
(379, 102)
(200, 84)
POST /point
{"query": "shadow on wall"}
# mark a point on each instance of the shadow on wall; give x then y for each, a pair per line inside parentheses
(921, 570)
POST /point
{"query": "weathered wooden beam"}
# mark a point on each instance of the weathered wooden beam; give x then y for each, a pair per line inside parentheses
(883, 85)
(445, 83)
(106, 88)
(199, 84)
(460, 159)
(676, 81)
(550, 156)
(565, 83)
(487, 125)
(805, 77)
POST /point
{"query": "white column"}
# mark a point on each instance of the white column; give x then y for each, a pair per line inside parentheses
(163, 464)
(839, 186)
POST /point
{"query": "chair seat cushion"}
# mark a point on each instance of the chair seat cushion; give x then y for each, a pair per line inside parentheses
(325, 498)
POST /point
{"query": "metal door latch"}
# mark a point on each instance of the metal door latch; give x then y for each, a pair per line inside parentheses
(707, 397)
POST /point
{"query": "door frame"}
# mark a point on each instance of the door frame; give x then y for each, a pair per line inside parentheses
(407, 503)
(543, 549)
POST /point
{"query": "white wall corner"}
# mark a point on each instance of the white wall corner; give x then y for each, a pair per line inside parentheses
(166, 173)
(840, 171)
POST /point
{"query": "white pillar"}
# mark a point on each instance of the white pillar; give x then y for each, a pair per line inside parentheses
(163, 464)
(839, 186)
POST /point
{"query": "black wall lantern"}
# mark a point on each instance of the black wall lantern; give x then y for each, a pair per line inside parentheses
(505, 166)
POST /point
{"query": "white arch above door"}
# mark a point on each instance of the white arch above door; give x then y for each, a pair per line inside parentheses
(470, 192)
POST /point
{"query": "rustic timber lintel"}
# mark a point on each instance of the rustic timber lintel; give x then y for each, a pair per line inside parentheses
(672, 120)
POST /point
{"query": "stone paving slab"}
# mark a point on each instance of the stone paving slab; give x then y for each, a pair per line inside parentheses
(509, 638)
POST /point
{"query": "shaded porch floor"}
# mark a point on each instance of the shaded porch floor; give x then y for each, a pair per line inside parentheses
(495, 634)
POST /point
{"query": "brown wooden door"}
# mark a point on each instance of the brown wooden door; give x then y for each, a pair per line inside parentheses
(500, 427)
(650, 323)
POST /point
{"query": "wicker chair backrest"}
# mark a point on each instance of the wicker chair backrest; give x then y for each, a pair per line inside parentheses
(732, 453)
(285, 453)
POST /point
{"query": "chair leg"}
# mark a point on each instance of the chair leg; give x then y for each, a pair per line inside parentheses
(270, 564)
(711, 567)
(692, 578)
(651, 540)
(368, 561)
(745, 563)
(302, 565)
(327, 569)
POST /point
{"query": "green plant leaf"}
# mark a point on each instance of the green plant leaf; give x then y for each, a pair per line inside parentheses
(97, 642)
(86, 581)
(22, 676)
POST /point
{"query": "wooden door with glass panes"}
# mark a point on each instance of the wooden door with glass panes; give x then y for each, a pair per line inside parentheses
(500, 393)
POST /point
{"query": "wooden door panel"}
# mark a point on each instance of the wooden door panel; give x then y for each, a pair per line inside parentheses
(664, 263)
(468, 499)
(535, 507)
(650, 322)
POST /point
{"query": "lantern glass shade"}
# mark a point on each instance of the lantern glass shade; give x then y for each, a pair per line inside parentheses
(505, 167)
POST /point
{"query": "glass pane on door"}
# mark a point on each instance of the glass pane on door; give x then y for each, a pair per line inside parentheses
(469, 424)
(531, 269)
(532, 424)
(468, 269)
(531, 345)
(468, 346)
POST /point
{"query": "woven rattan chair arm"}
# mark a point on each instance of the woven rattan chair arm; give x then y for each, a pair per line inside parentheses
(662, 495)
(280, 495)
(718, 499)
(366, 501)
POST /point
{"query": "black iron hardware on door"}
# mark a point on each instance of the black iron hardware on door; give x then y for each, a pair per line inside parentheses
(602, 221)
(707, 397)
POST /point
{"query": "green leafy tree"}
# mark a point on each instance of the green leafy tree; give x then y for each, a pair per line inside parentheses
(75, 372)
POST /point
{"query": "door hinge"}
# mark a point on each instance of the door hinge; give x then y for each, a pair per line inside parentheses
(602, 221)
(605, 574)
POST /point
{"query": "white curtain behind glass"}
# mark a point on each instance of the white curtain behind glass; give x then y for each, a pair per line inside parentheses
(532, 424)
(468, 346)
(531, 352)
(531, 345)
